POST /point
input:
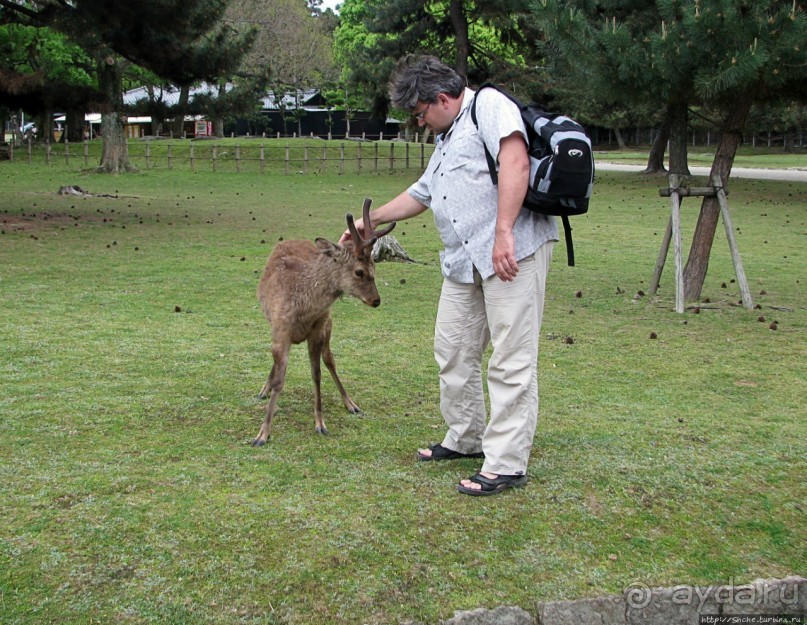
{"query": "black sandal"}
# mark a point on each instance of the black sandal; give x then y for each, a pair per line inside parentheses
(492, 486)
(442, 453)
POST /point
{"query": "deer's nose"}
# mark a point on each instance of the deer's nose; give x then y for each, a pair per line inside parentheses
(376, 302)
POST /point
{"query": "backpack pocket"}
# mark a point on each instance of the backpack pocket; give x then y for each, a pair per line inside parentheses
(571, 171)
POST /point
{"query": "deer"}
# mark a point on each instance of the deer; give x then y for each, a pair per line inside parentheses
(300, 283)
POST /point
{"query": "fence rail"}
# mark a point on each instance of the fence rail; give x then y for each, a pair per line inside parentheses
(270, 156)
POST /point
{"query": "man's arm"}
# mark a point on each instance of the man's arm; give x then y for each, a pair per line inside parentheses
(514, 175)
(404, 206)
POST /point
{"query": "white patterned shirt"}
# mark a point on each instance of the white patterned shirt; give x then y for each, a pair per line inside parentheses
(457, 187)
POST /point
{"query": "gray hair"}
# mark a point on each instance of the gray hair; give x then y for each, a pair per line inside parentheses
(421, 79)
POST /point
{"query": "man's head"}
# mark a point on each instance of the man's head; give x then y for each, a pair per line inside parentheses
(429, 89)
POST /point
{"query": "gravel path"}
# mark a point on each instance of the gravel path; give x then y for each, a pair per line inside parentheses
(798, 175)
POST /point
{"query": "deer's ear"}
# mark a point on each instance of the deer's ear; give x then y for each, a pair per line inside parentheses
(331, 249)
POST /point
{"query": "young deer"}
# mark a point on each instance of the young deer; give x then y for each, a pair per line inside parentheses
(301, 282)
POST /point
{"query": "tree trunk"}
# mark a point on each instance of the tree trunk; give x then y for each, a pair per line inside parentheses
(459, 23)
(679, 122)
(178, 127)
(45, 126)
(730, 138)
(787, 148)
(620, 140)
(74, 125)
(655, 161)
(114, 156)
(388, 248)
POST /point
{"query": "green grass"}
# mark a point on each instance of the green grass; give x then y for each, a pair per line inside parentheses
(129, 492)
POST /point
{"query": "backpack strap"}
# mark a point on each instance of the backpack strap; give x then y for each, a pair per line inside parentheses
(567, 233)
(494, 172)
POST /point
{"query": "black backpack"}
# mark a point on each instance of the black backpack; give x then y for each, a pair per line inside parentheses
(561, 164)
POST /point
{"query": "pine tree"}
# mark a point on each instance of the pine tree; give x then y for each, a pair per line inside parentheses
(724, 54)
(182, 41)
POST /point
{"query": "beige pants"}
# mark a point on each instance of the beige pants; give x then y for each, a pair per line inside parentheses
(508, 315)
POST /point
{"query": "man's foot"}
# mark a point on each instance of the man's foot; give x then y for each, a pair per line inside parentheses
(438, 452)
(484, 484)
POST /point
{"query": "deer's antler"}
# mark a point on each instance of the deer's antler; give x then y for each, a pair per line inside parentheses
(371, 236)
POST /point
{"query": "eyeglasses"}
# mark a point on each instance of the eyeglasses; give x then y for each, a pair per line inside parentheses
(422, 114)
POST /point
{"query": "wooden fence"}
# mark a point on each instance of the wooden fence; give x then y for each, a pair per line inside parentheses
(300, 156)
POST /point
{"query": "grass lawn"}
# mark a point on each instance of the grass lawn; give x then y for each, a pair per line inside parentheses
(132, 349)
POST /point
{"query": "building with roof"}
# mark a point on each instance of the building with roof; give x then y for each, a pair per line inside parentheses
(303, 112)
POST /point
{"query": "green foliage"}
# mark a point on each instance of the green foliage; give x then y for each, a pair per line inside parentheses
(709, 50)
(373, 35)
(41, 66)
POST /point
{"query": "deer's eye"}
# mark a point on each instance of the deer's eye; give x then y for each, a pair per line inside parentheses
(360, 273)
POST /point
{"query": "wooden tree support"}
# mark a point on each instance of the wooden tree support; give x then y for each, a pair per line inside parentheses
(675, 192)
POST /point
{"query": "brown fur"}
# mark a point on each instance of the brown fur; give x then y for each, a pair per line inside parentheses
(300, 283)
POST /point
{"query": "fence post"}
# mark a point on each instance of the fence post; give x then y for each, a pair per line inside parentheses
(422, 155)
(191, 157)
(213, 157)
(148, 154)
(238, 159)
(375, 157)
(358, 159)
(305, 159)
(86, 151)
(407, 155)
(287, 159)
(341, 158)
(391, 157)
(263, 162)
(170, 163)
(29, 150)
(66, 151)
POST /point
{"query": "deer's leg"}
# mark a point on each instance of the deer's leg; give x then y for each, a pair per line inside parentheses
(314, 355)
(327, 358)
(265, 390)
(273, 387)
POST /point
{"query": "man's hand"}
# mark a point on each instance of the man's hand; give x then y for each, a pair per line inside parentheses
(505, 263)
(399, 208)
(346, 236)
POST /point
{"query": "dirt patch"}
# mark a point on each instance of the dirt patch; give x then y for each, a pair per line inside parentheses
(27, 222)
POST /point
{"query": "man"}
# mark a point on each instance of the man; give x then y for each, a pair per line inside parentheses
(494, 266)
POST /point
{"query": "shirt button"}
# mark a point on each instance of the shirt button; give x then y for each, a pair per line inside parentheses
(466, 243)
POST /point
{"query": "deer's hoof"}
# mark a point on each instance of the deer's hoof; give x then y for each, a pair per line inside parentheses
(259, 442)
(322, 430)
(355, 410)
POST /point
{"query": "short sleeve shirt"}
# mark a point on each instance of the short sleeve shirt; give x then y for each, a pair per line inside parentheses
(458, 188)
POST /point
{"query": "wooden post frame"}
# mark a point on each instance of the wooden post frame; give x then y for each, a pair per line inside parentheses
(677, 190)
(745, 292)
